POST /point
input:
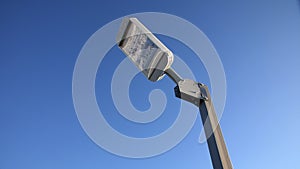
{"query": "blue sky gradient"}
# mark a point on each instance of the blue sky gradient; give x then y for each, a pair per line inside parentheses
(257, 41)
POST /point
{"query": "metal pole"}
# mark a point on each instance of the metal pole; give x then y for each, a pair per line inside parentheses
(216, 144)
(199, 95)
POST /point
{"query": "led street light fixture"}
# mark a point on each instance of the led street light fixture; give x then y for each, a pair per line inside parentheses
(154, 60)
(144, 49)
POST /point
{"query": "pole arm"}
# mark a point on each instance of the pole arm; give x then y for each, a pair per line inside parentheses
(173, 75)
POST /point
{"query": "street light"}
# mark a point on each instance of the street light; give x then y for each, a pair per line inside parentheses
(154, 59)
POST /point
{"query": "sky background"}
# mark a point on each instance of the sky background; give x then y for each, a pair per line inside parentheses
(258, 43)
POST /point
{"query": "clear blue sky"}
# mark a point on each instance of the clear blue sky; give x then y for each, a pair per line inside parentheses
(258, 43)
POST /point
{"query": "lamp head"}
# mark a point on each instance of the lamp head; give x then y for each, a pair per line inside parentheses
(144, 49)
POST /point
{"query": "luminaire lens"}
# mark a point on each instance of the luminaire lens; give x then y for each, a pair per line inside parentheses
(144, 49)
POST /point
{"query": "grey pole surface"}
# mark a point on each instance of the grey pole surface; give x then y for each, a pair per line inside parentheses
(216, 144)
(199, 95)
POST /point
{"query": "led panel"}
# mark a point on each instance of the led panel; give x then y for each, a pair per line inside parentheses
(144, 49)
